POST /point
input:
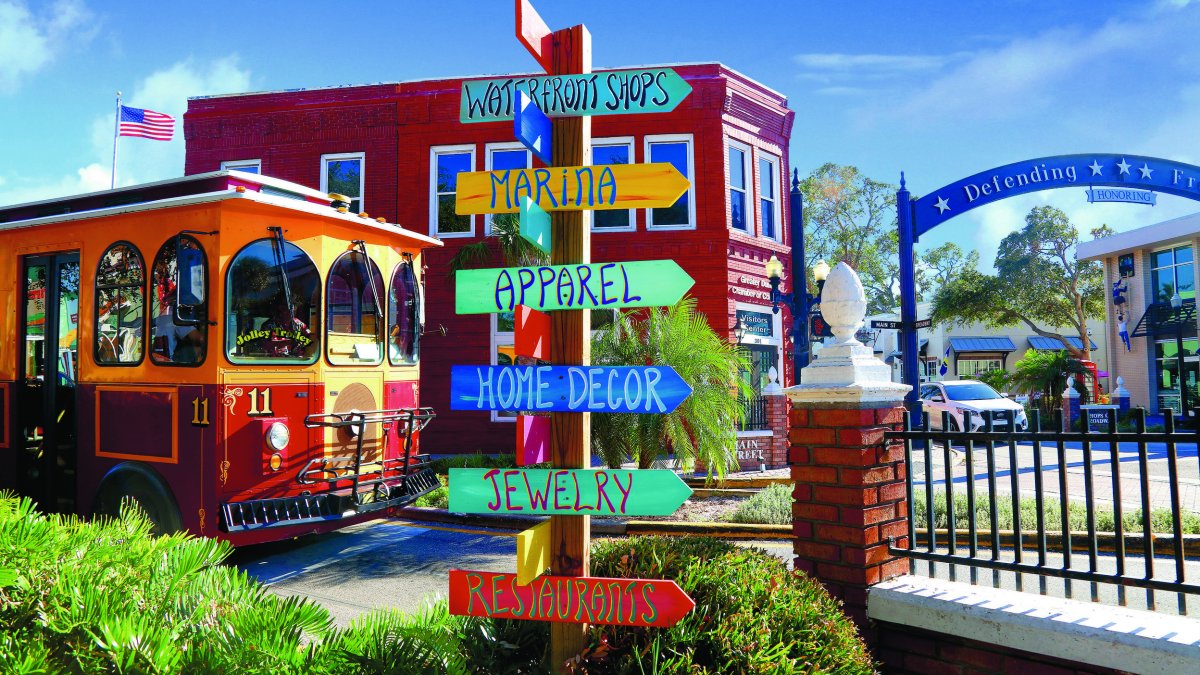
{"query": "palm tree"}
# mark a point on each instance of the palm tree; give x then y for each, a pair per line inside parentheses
(1045, 373)
(703, 426)
(513, 249)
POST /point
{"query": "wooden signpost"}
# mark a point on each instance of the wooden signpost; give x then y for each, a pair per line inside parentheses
(571, 188)
(559, 492)
(574, 389)
(638, 283)
(569, 599)
(618, 92)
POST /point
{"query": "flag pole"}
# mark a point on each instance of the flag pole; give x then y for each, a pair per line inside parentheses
(116, 135)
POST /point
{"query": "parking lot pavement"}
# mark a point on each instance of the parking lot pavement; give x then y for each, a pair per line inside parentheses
(381, 563)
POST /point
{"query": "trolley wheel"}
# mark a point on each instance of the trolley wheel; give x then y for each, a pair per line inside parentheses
(144, 486)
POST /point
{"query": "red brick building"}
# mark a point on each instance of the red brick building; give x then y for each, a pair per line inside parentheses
(396, 147)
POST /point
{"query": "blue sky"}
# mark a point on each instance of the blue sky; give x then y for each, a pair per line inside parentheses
(939, 90)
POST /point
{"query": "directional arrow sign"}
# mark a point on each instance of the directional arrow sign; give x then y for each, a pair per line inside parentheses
(590, 492)
(640, 283)
(618, 92)
(533, 439)
(531, 333)
(598, 600)
(531, 127)
(533, 553)
(571, 188)
(533, 32)
(624, 389)
(535, 225)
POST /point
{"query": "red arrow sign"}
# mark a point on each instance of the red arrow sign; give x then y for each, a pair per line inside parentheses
(533, 32)
(619, 602)
(532, 333)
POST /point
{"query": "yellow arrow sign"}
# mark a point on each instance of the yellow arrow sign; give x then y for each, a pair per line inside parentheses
(533, 553)
(571, 188)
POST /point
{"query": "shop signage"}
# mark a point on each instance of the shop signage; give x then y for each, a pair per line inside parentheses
(597, 600)
(535, 225)
(1123, 195)
(619, 389)
(533, 553)
(571, 188)
(532, 127)
(619, 92)
(531, 333)
(641, 283)
(755, 323)
(749, 293)
(533, 439)
(533, 32)
(593, 492)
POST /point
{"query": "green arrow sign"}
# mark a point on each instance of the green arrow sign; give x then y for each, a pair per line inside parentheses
(535, 224)
(640, 283)
(593, 492)
(642, 90)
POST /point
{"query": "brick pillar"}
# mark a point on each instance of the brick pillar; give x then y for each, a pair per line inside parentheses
(776, 454)
(849, 492)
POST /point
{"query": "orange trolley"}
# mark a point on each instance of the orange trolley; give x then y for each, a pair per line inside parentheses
(236, 353)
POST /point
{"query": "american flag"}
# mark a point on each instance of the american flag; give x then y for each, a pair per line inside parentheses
(146, 124)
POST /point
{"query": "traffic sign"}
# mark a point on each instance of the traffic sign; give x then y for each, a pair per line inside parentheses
(535, 224)
(533, 32)
(820, 327)
(531, 333)
(533, 553)
(533, 439)
(561, 492)
(885, 324)
(639, 283)
(624, 389)
(571, 188)
(532, 127)
(598, 600)
(923, 323)
(617, 92)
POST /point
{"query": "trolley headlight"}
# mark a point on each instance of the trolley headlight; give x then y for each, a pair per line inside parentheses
(278, 436)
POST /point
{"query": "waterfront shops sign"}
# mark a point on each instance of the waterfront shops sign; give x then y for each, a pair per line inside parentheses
(620, 92)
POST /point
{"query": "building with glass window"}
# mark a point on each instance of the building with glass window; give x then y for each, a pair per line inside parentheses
(1150, 273)
(396, 149)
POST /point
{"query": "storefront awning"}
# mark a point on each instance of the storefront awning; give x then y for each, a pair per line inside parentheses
(1052, 344)
(1163, 319)
(981, 344)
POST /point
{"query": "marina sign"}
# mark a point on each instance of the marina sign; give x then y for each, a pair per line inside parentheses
(571, 188)
(639, 283)
(616, 389)
(618, 92)
(573, 492)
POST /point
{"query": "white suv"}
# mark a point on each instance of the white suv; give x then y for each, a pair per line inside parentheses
(969, 399)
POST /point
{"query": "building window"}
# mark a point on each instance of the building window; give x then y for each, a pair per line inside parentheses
(247, 165)
(1166, 364)
(607, 151)
(173, 343)
(272, 304)
(404, 312)
(969, 368)
(444, 166)
(504, 353)
(120, 306)
(768, 196)
(344, 174)
(1171, 272)
(502, 157)
(739, 161)
(354, 311)
(677, 150)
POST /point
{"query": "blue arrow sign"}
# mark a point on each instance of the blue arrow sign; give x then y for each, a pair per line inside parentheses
(618, 389)
(535, 224)
(532, 127)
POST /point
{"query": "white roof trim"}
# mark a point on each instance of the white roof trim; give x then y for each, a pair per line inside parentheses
(1167, 232)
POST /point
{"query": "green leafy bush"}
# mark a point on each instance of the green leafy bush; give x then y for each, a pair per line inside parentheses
(438, 498)
(752, 615)
(770, 506)
(478, 460)
(1160, 519)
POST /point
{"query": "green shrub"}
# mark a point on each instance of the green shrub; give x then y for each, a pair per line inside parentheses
(438, 498)
(770, 506)
(477, 460)
(1160, 519)
(752, 615)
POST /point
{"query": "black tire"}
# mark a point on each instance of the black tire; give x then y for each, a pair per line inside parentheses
(144, 486)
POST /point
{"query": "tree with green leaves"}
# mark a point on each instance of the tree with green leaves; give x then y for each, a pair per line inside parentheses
(941, 264)
(505, 241)
(704, 426)
(1038, 283)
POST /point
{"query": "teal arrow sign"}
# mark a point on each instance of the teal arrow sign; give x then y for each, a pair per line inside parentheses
(593, 492)
(640, 283)
(619, 92)
(535, 224)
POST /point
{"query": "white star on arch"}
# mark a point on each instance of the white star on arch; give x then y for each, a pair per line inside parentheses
(1146, 171)
(1097, 170)
(942, 205)
(1124, 167)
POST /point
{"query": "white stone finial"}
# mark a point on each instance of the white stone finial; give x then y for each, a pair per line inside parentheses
(772, 387)
(1120, 391)
(843, 304)
(1070, 392)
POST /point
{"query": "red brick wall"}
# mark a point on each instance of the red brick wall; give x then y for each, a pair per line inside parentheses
(777, 417)
(904, 649)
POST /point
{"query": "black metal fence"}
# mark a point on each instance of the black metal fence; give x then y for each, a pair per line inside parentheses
(756, 414)
(1099, 506)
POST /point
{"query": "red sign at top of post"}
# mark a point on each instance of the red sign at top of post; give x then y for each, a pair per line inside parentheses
(533, 32)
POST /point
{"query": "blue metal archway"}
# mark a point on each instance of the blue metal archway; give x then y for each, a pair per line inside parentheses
(920, 215)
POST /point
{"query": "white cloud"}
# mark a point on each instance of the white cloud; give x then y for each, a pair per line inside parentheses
(869, 62)
(29, 42)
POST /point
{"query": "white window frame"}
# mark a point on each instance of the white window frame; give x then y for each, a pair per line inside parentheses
(612, 141)
(240, 164)
(362, 175)
(691, 167)
(498, 340)
(749, 208)
(434, 151)
(774, 161)
(488, 149)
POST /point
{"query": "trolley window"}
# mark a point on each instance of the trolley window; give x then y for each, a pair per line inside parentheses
(272, 304)
(120, 306)
(178, 332)
(404, 316)
(354, 311)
